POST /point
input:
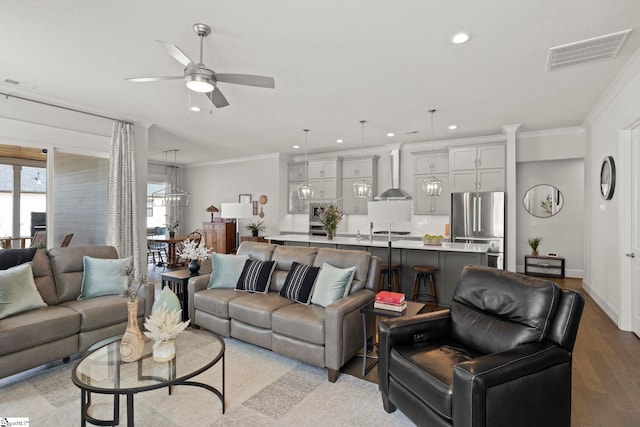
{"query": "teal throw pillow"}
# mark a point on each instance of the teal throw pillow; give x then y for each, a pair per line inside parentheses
(104, 276)
(332, 284)
(226, 270)
(166, 299)
(18, 291)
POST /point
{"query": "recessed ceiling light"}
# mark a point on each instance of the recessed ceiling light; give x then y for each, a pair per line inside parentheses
(391, 134)
(195, 108)
(339, 141)
(296, 146)
(453, 127)
(460, 38)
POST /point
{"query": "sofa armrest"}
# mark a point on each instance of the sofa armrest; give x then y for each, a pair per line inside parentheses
(531, 381)
(336, 333)
(148, 292)
(195, 284)
(408, 330)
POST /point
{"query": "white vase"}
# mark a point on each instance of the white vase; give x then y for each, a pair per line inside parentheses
(163, 351)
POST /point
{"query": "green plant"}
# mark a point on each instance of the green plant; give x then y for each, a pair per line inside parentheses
(534, 242)
(331, 216)
(255, 226)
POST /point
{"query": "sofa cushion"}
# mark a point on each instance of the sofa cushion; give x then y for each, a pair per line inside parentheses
(226, 270)
(332, 284)
(12, 257)
(98, 312)
(488, 316)
(43, 276)
(285, 256)
(428, 370)
(257, 250)
(67, 267)
(25, 330)
(303, 322)
(299, 283)
(104, 276)
(256, 309)
(256, 276)
(215, 301)
(346, 258)
(18, 292)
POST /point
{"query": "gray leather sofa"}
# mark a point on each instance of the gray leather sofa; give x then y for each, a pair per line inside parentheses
(325, 337)
(67, 325)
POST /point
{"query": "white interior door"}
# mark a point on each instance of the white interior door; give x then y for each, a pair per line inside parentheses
(635, 233)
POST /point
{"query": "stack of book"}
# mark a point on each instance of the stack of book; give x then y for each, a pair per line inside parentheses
(393, 301)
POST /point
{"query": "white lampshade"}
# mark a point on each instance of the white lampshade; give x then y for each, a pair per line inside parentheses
(236, 210)
(395, 211)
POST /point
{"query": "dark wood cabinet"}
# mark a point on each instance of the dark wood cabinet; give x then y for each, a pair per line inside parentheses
(220, 235)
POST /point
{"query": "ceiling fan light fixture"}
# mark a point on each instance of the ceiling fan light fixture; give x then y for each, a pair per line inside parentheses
(199, 84)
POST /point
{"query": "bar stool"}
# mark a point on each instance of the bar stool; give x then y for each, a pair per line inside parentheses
(395, 276)
(427, 273)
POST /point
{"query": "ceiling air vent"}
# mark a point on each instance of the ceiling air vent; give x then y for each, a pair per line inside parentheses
(585, 51)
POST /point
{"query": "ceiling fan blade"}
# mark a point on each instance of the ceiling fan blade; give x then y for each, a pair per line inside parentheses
(217, 98)
(246, 79)
(153, 79)
(177, 54)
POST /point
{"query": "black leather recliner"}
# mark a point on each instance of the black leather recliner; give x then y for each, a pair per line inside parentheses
(500, 356)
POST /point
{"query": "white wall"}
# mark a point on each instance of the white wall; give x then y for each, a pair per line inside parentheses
(604, 251)
(217, 183)
(562, 233)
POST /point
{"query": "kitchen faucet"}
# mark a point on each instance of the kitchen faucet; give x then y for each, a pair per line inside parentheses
(371, 232)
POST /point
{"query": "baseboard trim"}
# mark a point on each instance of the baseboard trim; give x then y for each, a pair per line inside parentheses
(597, 298)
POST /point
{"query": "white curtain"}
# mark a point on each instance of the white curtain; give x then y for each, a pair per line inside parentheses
(122, 211)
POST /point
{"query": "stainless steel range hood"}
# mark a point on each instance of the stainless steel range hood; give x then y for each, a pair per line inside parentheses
(395, 192)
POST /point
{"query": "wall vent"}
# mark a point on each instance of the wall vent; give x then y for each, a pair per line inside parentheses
(585, 51)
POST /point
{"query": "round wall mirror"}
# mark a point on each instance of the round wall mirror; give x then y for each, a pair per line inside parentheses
(543, 201)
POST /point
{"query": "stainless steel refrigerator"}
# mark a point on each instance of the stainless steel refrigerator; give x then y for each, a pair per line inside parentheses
(480, 218)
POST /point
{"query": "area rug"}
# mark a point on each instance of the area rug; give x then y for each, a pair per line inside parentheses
(262, 389)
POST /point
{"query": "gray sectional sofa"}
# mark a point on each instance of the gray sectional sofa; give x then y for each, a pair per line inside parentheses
(325, 337)
(66, 325)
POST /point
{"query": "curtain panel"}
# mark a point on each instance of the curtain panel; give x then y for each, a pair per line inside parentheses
(122, 211)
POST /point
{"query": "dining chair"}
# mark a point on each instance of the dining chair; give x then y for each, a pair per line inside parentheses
(66, 240)
(39, 239)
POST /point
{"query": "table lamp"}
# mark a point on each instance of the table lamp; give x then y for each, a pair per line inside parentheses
(213, 210)
(237, 211)
(389, 211)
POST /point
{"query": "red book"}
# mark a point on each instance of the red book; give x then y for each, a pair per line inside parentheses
(390, 297)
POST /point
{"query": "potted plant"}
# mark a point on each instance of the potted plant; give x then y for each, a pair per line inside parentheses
(255, 228)
(172, 224)
(534, 242)
(193, 251)
(330, 217)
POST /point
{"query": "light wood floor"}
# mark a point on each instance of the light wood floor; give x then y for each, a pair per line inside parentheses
(606, 367)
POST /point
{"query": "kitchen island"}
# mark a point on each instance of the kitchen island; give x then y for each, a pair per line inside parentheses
(450, 258)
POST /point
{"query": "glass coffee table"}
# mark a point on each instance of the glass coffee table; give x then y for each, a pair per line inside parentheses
(102, 371)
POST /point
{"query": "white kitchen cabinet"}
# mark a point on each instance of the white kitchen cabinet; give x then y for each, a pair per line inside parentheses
(297, 171)
(319, 169)
(358, 167)
(352, 204)
(424, 161)
(352, 171)
(432, 205)
(324, 189)
(296, 205)
(477, 168)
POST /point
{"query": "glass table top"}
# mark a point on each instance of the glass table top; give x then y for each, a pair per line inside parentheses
(104, 370)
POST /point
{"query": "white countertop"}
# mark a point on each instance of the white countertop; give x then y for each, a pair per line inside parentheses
(397, 244)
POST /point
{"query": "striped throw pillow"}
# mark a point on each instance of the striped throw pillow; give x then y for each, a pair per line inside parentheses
(299, 283)
(256, 276)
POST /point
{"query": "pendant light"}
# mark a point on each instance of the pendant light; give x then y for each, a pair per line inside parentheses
(172, 195)
(362, 188)
(432, 186)
(305, 190)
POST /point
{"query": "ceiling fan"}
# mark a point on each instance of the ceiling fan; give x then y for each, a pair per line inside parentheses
(199, 78)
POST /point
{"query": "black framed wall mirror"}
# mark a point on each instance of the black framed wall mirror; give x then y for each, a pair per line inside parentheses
(543, 200)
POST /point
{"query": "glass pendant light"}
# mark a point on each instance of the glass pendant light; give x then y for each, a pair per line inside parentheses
(171, 196)
(305, 190)
(362, 188)
(432, 186)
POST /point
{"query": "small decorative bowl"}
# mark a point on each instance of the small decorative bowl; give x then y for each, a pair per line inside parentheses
(432, 241)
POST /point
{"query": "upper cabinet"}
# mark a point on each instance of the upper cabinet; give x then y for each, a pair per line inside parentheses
(477, 168)
(326, 178)
(296, 175)
(426, 164)
(352, 171)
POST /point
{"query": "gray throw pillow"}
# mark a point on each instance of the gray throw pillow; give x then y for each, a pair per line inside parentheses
(18, 292)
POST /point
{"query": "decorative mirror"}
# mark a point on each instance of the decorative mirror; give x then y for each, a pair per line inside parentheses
(543, 201)
(607, 178)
